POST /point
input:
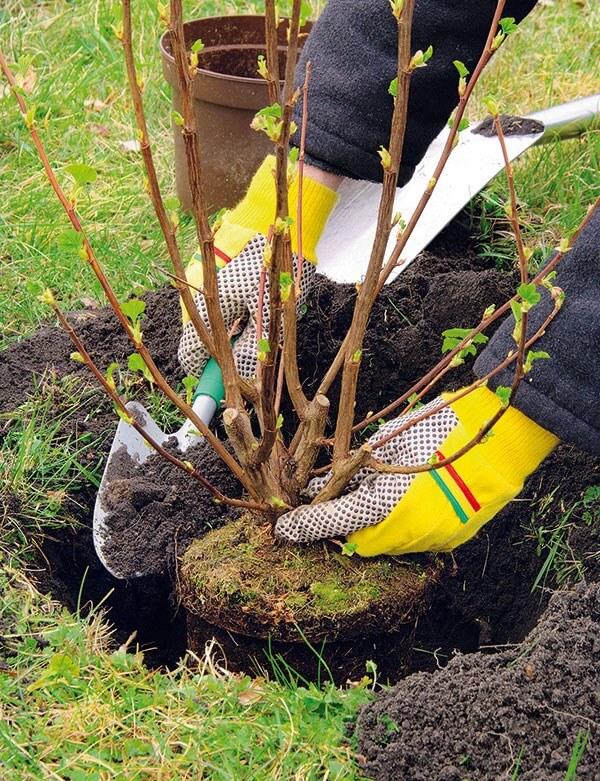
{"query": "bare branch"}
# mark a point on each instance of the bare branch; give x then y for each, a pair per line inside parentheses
(166, 225)
(223, 351)
(368, 289)
(185, 466)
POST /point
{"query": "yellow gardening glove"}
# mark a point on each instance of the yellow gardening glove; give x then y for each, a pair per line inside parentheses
(239, 247)
(436, 510)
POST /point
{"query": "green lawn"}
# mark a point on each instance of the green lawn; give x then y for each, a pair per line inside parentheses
(71, 705)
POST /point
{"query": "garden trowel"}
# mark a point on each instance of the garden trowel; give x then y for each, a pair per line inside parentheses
(345, 246)
(205, 401)
(343, 253)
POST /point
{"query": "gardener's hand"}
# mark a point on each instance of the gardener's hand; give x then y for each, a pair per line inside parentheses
(239, 246)
(435, 510)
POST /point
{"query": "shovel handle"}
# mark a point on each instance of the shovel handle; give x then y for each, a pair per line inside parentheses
(569, 120)
(211, 383)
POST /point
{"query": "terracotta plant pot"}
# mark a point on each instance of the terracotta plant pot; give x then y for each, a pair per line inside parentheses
(227, 94)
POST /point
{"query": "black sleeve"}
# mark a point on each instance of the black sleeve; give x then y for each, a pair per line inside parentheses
(562, 393)
(353, 50)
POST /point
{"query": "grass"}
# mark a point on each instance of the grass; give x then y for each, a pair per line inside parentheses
(550, 526)
(73, 708)
(72, 705)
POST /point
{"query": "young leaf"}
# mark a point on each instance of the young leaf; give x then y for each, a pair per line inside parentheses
(189, 383)
(462, 125)
(262, 67)
(454, 336)
(504, 393)
(279, 423)
(263, 348)
(81, 173)
(197, 46)
(306, 12)
(420, 58)
(123, 415)
(70, 239)
(393, 88)
(177, 118)
(285, 283)
(531, 357)
(34, 288)
(135, 363)
(463, 72)
(133, 309)
(47, 297)
(109, 374)
(412, 398)
(77, 356)
(386, 159)
(529, 296)
(172, 203)
(270, 111)
(492, 105)
(397, 6)
(507, 25)
(517, 312)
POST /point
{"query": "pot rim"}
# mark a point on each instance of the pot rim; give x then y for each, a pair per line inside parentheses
(204, 72)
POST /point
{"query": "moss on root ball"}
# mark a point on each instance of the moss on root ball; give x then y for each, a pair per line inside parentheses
(240, 579)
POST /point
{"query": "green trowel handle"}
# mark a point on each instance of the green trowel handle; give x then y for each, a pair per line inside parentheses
(211, 383)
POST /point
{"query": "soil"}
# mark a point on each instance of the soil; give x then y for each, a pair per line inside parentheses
(483, 601)
(236, 60)
(516, 714)
(154, 514)
(511, 126)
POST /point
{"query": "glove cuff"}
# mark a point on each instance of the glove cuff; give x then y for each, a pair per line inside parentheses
(516, 444)
(256, 212)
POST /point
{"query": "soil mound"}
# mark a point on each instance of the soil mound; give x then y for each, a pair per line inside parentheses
(520, 713)
(155, 513)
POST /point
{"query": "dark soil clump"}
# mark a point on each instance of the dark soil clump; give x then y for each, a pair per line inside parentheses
(511, 126)
(155, 511)
(482, 717)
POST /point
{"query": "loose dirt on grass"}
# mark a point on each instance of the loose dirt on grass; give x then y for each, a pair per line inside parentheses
(515, 714)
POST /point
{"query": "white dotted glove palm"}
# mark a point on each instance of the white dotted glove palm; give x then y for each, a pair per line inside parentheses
(240, 243)
(238, 284)
(435, 510)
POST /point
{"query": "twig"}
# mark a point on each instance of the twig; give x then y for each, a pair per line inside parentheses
(272, 48)
(223, 351)
(185, 466)
(301, 153)
(138, 344)
(479, 383)
(406, 233)
(518, 358)
(166, 225)
(267, 411)
(175, 278)
(368, 289)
